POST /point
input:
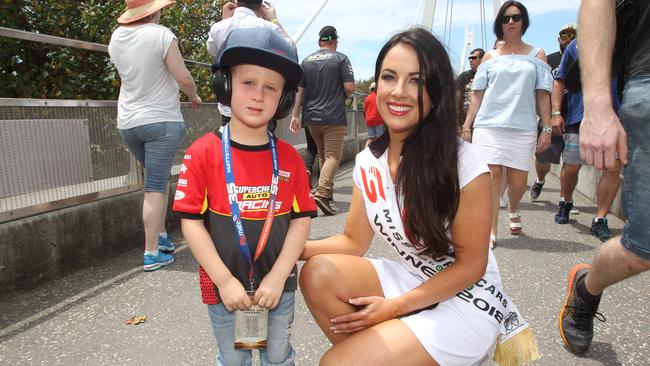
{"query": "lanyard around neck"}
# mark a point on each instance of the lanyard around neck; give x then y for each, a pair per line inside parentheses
(234, 206)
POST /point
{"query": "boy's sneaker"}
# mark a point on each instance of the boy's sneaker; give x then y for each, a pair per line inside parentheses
(535, 190)
(324, 204)
(165, 244)
(576, 320)
(600, 229)
(562, 215)
(152, 263)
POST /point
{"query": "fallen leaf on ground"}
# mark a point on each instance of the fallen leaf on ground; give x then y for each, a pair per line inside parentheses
(135, 320)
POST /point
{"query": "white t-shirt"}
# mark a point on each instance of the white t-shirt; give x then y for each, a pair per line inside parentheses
(149, 92)
(241, 18)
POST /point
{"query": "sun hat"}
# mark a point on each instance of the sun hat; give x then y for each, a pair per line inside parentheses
(372, 87)
(262, 46)
(138, 9)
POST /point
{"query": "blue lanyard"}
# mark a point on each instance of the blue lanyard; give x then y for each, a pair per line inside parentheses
(234, 206)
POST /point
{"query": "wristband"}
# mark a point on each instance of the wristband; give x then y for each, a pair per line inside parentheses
(275, 21)
(547, 130)
(556, 113)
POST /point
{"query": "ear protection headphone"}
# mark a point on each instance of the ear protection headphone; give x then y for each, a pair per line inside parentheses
(222, 88)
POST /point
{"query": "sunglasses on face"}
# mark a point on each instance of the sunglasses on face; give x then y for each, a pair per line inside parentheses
(473, 58)
(516, 18)
(567, 36)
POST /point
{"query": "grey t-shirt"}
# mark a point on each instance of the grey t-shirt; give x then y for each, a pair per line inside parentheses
(323, 101)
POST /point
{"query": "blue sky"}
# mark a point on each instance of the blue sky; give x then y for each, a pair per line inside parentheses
(365, 25)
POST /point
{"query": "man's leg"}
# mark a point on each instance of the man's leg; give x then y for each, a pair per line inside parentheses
(605, 195)
(620, 257)
(568, 182)
(543, 162)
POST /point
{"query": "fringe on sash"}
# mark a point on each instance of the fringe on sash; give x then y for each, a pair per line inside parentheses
(517, 350)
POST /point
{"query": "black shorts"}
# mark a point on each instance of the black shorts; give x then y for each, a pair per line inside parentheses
(553, 153)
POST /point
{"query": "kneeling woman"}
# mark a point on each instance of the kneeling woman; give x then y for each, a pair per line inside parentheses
(427, 195)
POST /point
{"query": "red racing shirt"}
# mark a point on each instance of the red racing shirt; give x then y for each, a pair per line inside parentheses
(201, 194)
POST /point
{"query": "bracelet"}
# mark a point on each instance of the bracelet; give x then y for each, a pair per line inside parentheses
(547, 130)
(556, 113)
(467, 130)
(275, 21)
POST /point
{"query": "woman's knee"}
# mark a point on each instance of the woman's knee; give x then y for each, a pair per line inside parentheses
(317, 274)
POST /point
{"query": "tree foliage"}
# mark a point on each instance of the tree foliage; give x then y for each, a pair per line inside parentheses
(37, 70)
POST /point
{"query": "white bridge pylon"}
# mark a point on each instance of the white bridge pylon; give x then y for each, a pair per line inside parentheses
(425, 17)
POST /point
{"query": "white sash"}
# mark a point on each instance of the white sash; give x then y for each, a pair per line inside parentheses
(516, 342)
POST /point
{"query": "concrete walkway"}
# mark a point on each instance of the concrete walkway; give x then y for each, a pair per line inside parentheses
(79, 320)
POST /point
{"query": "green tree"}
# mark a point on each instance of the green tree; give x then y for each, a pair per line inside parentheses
(36, 70)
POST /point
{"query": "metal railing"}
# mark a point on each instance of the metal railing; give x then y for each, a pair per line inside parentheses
(62, 153)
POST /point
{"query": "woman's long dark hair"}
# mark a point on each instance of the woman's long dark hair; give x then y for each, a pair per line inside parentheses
(427, 176)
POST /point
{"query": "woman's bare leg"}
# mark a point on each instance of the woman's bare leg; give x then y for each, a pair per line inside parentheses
(496, 172)
(328, 282)
(388, 343)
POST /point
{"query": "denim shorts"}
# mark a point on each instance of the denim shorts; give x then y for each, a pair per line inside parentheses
(635, 114)
(154, 146)
(376, 131)
(278, 350)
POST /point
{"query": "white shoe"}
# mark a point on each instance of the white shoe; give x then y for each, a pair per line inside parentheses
(574, 211)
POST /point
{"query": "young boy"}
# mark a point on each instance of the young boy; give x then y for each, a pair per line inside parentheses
(255, 193)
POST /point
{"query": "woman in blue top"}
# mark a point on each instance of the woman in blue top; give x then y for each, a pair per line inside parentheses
(511, 87)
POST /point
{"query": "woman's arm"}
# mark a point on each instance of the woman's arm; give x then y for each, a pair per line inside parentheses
(356, 236)
(176, 66)
(544, 110)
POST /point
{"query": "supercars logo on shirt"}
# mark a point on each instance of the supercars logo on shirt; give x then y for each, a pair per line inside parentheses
(182, 183)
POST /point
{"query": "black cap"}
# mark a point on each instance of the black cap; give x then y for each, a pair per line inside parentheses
(328, 33)
(251, 2)
(264, 47)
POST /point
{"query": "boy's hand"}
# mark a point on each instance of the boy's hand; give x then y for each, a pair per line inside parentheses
(233, 295)
(270, 290)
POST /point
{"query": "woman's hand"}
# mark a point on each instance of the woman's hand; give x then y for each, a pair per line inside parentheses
(376, 309)
(466, 134)
(233, 295)
(544, 142)
(270, 290)
(196, 102)
(294, 126)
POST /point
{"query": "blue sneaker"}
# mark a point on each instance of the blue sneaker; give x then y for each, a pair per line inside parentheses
(165, 244)
(152, 263)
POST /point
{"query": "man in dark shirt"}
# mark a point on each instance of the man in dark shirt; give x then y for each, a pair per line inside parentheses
(464, 83)
(544, 159)
(327, 81)
(603, 139)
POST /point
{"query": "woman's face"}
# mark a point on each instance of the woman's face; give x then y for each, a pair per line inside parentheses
(397, 89)
(512, 21)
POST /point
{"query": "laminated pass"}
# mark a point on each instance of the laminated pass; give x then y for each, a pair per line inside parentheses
(251, 328)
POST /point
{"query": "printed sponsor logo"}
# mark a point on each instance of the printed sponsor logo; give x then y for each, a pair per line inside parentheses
(255, 196)
(187, 157)
(179, 195)
(182, 183)
(511, 322)
(284, 176)
(373, 186)
(183, 168)
(257, 205)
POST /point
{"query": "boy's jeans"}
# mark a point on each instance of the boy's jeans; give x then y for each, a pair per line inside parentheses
(278, 350)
